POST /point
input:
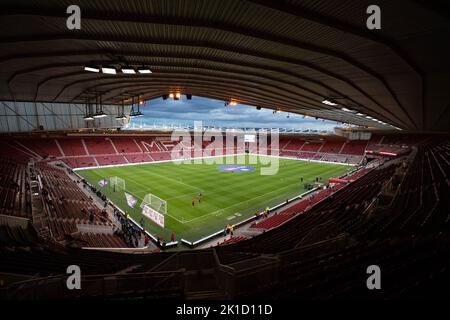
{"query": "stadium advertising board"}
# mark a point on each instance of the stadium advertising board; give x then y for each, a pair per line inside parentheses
(153, 215)
(250, 138)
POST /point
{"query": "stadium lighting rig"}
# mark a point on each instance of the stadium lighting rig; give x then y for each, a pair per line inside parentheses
(278, 110)
(144, 70)
(88, 112)
(109, 70)
(134, 113)
(230, 103)
(123, 117)
(332, 101)
(329, 102)
(99, 113)
(92, 69)
(128, 70)
(174, 96)
(121, 112)
(359, 114)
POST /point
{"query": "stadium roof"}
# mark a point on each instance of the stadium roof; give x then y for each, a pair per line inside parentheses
(284, 54)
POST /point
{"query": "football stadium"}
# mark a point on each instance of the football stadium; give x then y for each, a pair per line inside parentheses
(239, 197)
(237, 150)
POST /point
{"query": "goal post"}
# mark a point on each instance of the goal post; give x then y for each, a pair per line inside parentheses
(155, 203)
(118, 184)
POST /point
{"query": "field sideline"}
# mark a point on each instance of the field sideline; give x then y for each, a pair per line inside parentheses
(228, 197)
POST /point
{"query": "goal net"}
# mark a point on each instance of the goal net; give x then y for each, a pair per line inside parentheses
(117, 183)
(154, 202)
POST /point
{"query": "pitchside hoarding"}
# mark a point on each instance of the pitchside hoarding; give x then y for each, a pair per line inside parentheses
(153, 215)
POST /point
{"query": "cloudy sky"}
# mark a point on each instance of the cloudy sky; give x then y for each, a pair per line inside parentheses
(213, 112)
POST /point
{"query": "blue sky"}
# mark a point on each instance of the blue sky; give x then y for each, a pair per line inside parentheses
(213, 112)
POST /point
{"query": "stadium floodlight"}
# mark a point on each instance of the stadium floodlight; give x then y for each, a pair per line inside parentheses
(100, 114)
(88, 118)
(92, 68)
(128, 70)
(144, 70)
(109, 70)
(178, 95)
(360, 114)
(171, 95)
(136, 114)
(346, 110)
(329, 103)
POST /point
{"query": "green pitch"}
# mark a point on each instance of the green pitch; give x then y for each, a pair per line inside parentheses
(228, 197)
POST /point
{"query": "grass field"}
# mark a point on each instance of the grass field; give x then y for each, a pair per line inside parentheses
(228, 197)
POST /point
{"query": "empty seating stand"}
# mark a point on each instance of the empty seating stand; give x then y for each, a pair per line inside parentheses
(72, 147)
(91, 151)
(66, 204)
(99, 146)
(99, 240)
(14, 190)
(278, 218)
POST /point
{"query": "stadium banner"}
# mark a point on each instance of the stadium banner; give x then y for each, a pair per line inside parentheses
(103, 183)
(131, 201)
(153, 215)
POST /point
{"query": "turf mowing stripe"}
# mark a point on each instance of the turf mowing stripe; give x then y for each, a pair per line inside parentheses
(247, 192)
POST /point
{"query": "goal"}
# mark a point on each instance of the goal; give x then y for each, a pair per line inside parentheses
(117, 183)
(155, 202)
